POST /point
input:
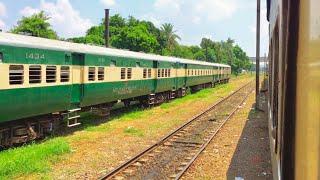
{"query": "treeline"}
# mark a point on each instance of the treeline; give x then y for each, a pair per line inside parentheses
(143, 36)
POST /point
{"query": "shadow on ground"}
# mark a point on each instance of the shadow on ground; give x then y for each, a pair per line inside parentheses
(251, 159)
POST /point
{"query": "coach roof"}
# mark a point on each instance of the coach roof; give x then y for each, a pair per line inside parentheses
(42, 43)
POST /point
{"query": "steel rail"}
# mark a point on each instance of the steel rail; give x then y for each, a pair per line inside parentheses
(211, 138)
(126, 164)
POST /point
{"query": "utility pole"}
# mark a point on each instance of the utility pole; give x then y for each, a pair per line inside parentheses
(258, 54)
(106, 24)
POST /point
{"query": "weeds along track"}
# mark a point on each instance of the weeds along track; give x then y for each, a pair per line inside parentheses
(170, 157)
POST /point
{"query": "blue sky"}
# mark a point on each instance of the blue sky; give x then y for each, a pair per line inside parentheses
(193, 19)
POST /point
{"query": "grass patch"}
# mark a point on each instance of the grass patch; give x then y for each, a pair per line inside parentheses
(133, 131)
(100, 128)
(33, 158)
(203, 94)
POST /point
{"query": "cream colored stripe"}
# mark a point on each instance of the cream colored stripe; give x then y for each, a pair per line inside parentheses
(79, 75)
(4, 81)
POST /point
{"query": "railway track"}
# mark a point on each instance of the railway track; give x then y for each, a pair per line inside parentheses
(170, 157)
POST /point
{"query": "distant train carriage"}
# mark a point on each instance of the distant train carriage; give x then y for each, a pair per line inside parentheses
(44, 81)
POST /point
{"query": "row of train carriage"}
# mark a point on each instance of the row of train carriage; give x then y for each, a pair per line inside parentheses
(47, 80)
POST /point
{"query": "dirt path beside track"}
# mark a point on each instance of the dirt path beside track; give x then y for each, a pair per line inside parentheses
(240, 149)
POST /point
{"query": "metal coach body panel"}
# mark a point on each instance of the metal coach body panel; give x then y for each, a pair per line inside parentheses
(27, 102)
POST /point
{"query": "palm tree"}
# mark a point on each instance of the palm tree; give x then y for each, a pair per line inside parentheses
(170, 35)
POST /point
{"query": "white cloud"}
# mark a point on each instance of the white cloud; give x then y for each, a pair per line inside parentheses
(108, 3)
(168, 6)
(3, 9)
(215, 10)
(196, 19)
(28, 11)
(196, 11)
(151, 18)
(63, 17)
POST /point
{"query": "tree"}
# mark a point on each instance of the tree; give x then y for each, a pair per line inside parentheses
(136, 38)
(116, 21)
(170, 35)
(206, 44)
(35, 25)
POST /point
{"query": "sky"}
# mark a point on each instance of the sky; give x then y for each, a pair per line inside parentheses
(193, 19)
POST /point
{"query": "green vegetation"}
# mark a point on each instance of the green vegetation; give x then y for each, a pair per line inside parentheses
(144, 36)
(133, 131)
(34, 158)
(35, 25)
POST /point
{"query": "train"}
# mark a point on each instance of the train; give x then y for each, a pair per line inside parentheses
(294, 88)
(44, 82)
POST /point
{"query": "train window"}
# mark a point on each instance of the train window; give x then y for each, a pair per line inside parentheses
(101, 74)
(92, 74)
(16, 73)
(65, 74)
(129, 73)
(144, 73)
(191, 72)
(162, 73)
(113, 63)
(34, 74)
(166, 73)
(51, 74)
(159, 72)
(123, 73)
(169, 72)
(149, 73)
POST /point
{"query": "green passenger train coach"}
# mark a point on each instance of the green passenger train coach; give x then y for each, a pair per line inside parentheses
(46, 81)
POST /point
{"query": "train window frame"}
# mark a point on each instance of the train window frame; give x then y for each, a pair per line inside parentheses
(51, 74)
(35, 74)
(162, 72)
(16, 71)
(65, 74)
(169, 72)
(144, 73)
(123, 73)
(129, 73)
(149, 73)
(91, 73)
(159, 73)
(166, 73)
(101, 73)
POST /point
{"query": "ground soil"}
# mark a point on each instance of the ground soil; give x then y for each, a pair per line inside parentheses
(239, 151)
